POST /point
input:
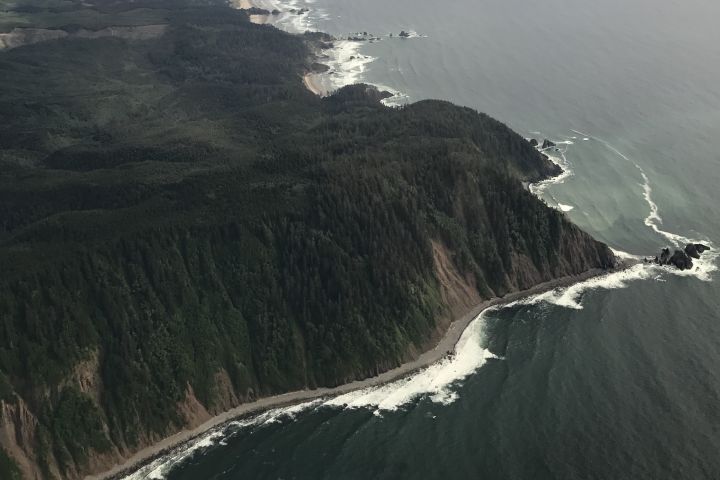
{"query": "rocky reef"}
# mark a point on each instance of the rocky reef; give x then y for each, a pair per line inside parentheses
(545, 144)
(681, 259)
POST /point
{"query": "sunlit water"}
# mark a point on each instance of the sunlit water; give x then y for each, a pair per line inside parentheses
(615, 378)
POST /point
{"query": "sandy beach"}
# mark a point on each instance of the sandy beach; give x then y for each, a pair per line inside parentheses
(311, 80)
(444, 347)
(257, 19)
(312, 83)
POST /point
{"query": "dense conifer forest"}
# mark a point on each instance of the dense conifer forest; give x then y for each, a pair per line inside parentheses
(181, 219)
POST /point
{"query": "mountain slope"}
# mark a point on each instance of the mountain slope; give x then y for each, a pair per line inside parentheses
(183, 227)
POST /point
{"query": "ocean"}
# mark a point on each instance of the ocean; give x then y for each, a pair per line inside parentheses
(615, 378)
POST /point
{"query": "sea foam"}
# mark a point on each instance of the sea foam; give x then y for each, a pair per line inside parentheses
(703, 267)
(437, 381)
(347, 64)
(561, 160)
(162, 466)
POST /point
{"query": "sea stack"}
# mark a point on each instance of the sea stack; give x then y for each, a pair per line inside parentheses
(681, 259)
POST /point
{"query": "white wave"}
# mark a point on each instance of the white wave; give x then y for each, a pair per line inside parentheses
(437, 381)
(625, 255)
(413, 34)
(653, 220)
(347, 64)
(158, 469)
(161, 467)
(703, 267)
(565, 208)
(293, 22)
(539, 188)
(570, 297)
(398, 98)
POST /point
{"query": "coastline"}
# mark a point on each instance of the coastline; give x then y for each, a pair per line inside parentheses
(311, 80)
(344, 63)
(445, 346)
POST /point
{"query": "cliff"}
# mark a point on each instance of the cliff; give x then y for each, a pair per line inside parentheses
(183, 228)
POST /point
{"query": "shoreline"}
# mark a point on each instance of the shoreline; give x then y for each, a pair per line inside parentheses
(312, 83)
(344, 52)
(258, 19)
(311, 80)
(445, 346)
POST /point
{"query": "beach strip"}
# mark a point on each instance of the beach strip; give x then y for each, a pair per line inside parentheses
(313, 83)
(248, 4)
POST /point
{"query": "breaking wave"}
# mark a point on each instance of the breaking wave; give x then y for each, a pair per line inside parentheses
(436, 381)
(162, 466)
(347, 64)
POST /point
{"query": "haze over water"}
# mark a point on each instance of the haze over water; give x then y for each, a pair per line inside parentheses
(619, 379)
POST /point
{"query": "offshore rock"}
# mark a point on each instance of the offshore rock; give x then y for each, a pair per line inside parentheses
(681, 260)
(696, 249)
(692, 250)
(664, 256)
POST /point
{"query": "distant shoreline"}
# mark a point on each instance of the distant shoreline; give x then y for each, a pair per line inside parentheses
(446, 346)
(311, 80)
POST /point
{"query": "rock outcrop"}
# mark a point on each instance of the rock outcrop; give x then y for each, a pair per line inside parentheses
(695, 249)
(547, 144)
(681, 259)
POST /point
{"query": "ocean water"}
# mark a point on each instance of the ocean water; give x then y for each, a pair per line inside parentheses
(615, 378)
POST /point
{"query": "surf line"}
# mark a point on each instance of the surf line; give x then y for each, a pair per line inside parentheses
(654, 221)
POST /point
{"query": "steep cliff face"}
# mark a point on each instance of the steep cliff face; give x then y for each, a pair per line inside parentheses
(17, 436)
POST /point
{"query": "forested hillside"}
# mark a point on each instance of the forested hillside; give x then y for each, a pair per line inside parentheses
(184, 227)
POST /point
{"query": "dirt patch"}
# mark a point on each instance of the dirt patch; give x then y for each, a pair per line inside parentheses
(191, 410)
(459, 292)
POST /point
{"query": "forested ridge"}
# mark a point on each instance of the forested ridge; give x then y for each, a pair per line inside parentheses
(184, 227)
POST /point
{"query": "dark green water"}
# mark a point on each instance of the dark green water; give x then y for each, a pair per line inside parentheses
(616, 379)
